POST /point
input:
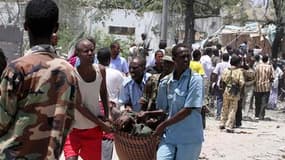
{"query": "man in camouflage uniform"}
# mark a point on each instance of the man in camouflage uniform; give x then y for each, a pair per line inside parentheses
(3, 62)
(150, 90)
(39, 93)
(233, 81)
(249, 76)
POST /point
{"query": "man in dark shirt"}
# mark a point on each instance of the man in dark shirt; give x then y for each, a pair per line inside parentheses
(157, 68)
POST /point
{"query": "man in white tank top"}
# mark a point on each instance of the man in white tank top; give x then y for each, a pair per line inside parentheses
(86, 136)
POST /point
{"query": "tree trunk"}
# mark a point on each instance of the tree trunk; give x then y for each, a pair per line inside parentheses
(276, 45)
(189, 37)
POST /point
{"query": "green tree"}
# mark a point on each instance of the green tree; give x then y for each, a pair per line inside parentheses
(104, 40)
(189, 9)
(193, 9)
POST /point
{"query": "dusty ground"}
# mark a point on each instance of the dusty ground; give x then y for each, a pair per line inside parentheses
(255, 140)
(259, 140)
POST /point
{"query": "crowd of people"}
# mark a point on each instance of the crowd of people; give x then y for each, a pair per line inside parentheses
(49, 104)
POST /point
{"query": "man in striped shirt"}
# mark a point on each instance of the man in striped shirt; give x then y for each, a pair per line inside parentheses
(263, 79)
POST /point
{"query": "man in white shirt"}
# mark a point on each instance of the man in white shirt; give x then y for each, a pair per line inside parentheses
(206, 62)
(114, 78)
(114, 82)
(217, 73)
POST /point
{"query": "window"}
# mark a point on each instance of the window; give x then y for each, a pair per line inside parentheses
(122, 30)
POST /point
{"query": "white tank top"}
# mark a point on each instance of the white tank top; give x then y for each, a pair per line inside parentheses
(90, 92)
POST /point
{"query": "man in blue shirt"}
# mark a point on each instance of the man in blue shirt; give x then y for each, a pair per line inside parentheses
(118, 62)
(132, 89)
(180, 94)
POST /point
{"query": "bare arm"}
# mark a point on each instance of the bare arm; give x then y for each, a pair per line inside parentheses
(103, 91)
(84, 111)
(155, 112)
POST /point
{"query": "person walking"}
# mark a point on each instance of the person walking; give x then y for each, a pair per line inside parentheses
(181, 96)
(273, 97)
(216, 78)
(39, 93)
(233, 81)
(264, 76)
(114, 82)
(249, 74)
(85, 139)
(118, 62)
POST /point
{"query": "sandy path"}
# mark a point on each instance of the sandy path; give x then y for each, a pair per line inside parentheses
(262, 140)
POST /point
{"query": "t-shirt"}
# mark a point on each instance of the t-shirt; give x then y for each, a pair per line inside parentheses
(219, 70)
(207, 65)
(197, 67)
(120, 64)
(114, 82)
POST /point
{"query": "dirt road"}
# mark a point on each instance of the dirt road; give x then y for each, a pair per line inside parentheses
(259, 140)
(255, 140)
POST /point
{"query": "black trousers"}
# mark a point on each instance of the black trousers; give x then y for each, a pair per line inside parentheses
(203, 113)
(239, 113)
(261, 102)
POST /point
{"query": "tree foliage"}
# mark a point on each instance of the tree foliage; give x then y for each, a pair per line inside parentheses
(184, 8)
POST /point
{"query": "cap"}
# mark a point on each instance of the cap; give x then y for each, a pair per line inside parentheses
(167, 58)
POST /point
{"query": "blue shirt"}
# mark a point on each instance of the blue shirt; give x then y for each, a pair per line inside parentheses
(174, 95)
(131, 92)
(119, 63)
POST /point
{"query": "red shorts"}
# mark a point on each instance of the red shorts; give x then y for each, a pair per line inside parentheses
(86, 143)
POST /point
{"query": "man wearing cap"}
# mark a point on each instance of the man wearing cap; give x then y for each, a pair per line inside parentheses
(150, 91)
(233, 80)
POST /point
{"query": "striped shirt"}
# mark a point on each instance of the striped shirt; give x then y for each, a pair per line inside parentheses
(263, 77)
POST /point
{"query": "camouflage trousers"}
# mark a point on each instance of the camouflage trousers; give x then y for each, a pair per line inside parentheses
(229, 110)
(208, 98)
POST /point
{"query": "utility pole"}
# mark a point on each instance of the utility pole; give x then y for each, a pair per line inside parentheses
(164, 20)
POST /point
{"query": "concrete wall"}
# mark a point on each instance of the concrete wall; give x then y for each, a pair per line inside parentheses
(124, 18)
(148, 23)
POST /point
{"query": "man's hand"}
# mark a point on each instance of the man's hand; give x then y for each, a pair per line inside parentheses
(159, 130)
(128, 108)
(142, 114)
(107, 127)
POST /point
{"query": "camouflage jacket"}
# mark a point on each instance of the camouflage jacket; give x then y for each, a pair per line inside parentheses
(150, 92)
(233, 76)
(38, 96)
